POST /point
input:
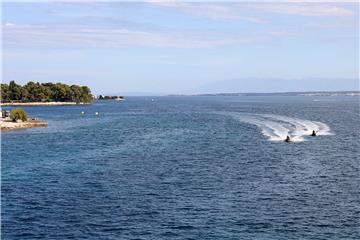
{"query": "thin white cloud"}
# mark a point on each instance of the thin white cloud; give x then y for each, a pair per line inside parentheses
(79, 36)
(250, 11)
(304, 9)
(215, 11)
(8, 24)
(336, 24)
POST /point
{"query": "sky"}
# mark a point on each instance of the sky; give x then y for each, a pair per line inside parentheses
(179, 47)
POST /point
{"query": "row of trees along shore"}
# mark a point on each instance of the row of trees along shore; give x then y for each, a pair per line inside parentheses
(44, 92)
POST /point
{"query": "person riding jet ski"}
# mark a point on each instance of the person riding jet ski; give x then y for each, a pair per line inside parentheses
(288, 140)
(313, 134)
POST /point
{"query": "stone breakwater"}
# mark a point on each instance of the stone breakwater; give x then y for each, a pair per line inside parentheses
(41, 104)
(8, 125)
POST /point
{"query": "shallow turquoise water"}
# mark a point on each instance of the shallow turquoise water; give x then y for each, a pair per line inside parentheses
(183, 168)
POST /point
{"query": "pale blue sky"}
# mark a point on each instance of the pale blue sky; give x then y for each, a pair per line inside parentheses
(182, 47)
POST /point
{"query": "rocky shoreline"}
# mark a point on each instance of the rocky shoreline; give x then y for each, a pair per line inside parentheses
(41, 104)
(9, 125)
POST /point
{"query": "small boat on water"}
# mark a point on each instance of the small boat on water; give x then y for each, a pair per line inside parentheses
(287, 139)
(313, 134)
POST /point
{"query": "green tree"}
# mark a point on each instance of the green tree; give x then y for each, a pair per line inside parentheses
(37, 92)
(14, 91)
(5, 93)
(32, 91)
(18, 114)
(24, 95)
(62, 92)
(45, 93)
(86, 96)
(77, 92)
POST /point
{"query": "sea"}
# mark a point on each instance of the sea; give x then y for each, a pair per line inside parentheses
(185, 167)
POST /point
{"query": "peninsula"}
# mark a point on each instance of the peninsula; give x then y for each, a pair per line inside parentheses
(9, 125)
(18, 119)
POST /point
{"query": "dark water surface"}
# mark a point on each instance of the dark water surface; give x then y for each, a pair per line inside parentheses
(176, 168)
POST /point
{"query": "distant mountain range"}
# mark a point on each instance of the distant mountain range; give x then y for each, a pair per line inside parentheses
(314, 93)
(282, 85)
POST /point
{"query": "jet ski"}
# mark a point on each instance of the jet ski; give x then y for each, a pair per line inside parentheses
(313, 134)
(288, 140)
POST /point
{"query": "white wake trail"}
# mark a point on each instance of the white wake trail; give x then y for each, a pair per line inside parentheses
(277, 127)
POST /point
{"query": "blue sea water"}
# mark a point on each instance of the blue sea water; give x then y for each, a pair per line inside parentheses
(185, 168)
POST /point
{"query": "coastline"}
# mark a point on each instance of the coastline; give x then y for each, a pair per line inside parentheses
(8, 126)
(42, 104)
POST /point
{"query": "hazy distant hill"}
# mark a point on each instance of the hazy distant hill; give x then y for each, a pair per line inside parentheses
(268, 85)
(315, 93)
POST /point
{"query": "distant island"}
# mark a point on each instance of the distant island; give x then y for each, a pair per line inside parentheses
(105, 97)
(44, 94)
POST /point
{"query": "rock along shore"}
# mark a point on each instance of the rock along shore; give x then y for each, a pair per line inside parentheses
(41, 104)
(9, 125)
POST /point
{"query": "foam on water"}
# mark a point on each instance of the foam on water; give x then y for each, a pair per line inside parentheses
(277, 127)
